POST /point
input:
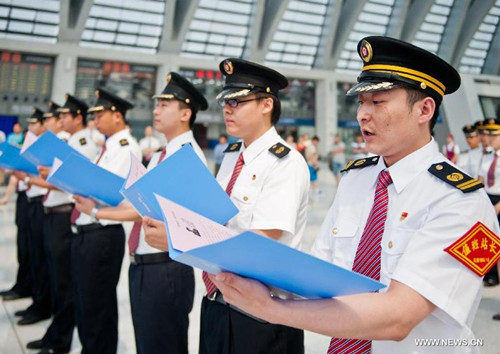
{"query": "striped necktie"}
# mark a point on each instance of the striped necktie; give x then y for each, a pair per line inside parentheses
(229, 189)
(367, 259)
(133, 239)
(491, 172)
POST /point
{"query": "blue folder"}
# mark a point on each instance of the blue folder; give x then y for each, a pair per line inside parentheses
(48, 146)
(258, 257)
(11, 159)
(185, 180)
(77, 175)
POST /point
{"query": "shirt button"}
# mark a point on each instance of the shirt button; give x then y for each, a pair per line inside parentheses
(390, 244)
(335, 231)
(245, 198)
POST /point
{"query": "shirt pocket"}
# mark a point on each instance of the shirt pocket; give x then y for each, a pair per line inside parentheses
(344, 231)
(245, 199)
(394, 244)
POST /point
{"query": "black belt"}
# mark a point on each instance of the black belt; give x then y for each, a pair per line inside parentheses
(35, 199)
(79, 229)
(217, 297)
(64, 208)
(151, 258)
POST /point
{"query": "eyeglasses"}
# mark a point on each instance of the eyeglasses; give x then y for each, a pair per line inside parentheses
(234, 103)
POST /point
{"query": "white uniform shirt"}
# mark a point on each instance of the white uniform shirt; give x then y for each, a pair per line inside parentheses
(485, 167)
(35, 191)
(116, 159)
(471, 161)
(413, 253)
(172, 147)
(149, 142)
(82, 143)
(64, 135)
(270, 192)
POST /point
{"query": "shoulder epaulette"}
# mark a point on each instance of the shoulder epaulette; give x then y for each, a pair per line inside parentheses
(279, 150)
(124, 142)
(233, 147)
(453, 176)
(360, 163)
(83, 141)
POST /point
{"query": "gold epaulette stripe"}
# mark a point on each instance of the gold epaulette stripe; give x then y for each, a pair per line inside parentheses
(468, 184)
(405, 70)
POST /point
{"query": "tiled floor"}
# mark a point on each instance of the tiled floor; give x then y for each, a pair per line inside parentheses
(13, 338)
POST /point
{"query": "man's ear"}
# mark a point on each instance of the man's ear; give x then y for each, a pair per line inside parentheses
(186, 114)
(117, 116)
(427, 107)
(267, 105)
(78, 117)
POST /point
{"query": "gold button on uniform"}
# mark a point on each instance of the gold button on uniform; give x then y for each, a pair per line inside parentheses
(335, 231)
(390, 244)
(245, 198)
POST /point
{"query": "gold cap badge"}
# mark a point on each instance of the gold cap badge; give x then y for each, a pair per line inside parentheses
(228, 67)
(366, 51)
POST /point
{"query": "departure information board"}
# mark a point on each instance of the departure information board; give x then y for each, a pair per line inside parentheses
(25, 74)
(135, 83)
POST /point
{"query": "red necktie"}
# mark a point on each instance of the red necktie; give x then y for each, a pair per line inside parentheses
(133, 239)
(45, 197)
(102, 153)
(367, 259)
(491, 172)
(236, 172)
(75, 214)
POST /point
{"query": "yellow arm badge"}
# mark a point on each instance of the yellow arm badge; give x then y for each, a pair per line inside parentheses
(124, 142)
(454, 177)
(83, 141)
(361, 163)
(478, 249)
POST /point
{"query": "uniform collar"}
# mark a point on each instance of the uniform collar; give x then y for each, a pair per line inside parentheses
(81, 132)
(116, 137)
(264, 142)
(177, 142)
(409, 167)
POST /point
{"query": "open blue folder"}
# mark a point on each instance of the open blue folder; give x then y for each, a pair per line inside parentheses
(47, 147)
(11, 159)
(185, 180)
(77, 175)
(258, 257)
